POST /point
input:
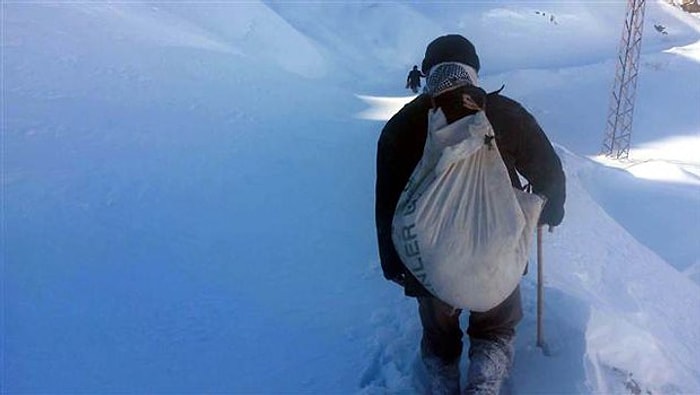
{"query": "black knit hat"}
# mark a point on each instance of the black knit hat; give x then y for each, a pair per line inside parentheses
(450, 48)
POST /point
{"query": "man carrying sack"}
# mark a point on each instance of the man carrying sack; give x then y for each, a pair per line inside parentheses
(453, 224)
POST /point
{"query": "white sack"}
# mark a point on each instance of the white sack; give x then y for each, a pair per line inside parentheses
(460, 227)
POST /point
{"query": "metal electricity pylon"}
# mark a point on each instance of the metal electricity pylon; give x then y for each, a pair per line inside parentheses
(619, 127)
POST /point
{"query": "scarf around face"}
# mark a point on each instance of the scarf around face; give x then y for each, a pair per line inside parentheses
(447, 76)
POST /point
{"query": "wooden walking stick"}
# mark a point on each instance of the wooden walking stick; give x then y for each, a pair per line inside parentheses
(540, 293)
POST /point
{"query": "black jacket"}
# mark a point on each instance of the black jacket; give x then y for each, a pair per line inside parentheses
(524, 149)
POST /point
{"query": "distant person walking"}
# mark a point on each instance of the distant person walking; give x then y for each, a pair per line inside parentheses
(413, 80)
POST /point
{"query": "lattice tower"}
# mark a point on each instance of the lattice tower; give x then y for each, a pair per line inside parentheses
(619, 126)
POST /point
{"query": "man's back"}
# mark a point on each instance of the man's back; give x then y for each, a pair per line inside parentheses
(404, 134)
(522, 144)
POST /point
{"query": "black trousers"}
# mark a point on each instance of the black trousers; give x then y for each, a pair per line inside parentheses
(442, 335)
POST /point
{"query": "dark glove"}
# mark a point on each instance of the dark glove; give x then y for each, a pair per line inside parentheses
(552, 214)
(461, 102)
(476, 97)
(399, 279)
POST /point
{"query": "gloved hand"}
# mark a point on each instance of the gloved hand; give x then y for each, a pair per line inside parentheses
(460, 102)
(473, 98)
(399, 278)
(552, 214)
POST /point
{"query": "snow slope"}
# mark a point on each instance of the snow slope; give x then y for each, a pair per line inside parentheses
(188, 196)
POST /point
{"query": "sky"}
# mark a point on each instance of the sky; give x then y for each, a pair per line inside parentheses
(188, 195)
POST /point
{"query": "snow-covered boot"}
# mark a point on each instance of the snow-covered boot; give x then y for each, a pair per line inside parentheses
(442, 378)
(489, 365)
